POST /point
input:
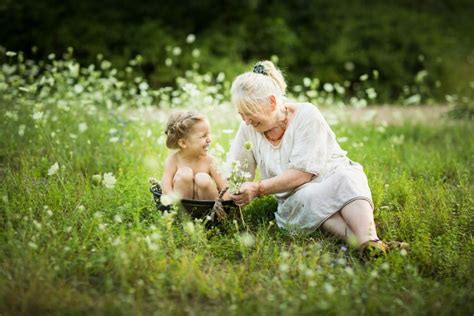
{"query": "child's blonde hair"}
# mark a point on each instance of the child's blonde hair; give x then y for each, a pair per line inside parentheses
(251, 89)
(179, 125)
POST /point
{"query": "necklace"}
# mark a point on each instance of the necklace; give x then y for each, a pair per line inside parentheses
(283, 126)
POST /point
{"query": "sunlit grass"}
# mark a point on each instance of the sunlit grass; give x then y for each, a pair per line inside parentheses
(74, 241)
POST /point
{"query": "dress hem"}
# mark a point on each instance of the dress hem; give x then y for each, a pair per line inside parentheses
(344, 205)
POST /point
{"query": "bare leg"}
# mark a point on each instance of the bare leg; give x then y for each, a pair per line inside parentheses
(359, 217)
(183, 182)
(205, 188)
(336, 225)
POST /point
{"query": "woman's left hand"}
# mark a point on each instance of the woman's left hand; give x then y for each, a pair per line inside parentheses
(248, 191)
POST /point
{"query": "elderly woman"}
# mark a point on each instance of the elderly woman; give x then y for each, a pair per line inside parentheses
(300, 161)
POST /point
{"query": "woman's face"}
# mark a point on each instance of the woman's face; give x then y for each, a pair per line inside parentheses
(261, 119)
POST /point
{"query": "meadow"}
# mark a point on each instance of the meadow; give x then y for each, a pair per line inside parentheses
(80, 233)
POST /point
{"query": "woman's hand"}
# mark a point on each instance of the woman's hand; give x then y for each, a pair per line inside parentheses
(248, 191)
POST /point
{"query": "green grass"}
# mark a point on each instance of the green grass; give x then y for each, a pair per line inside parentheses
(69, 246)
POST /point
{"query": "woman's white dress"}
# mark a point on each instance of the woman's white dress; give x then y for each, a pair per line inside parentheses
(308, 145)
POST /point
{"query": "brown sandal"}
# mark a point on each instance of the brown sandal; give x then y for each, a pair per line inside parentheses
(374, 248)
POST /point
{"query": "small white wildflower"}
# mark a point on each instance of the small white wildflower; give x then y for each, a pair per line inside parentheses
(78, 88)
(21, 129)
(403, 252)
(53, 169)
(81, 208)
(37, 116)
(329, 288)
(189, 228)
(247, 239)
(177, 51)
(349, 66)
(112, 131)
(143, 86)
(328, 87)
(168, 62)
(32, 245)
(114, 139)
(306, 82)
(342, 139)
(349, 271)
(102, 226)
(37, 224)
(117, 218)
(98, 214)
(73, 136)
(364, 77)
(220, 77)
(284, 267)
(190, 38)
(5, 198)
(82, 127)
(196, 53)
(109, 180)
(166, 199)
(10, 54)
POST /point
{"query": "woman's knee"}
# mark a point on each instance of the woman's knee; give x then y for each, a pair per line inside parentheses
(184, 175)
(203, 180)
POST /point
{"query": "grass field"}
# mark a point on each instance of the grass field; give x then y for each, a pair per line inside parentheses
(79, 232)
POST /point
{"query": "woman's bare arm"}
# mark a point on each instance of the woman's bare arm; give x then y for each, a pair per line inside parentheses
(287, 181)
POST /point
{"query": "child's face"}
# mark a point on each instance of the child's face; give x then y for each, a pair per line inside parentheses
(198, 140)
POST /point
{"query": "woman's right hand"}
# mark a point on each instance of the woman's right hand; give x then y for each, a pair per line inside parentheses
(248, 191)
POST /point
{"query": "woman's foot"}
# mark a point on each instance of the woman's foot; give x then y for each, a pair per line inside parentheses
(376, 248)
(373, 248)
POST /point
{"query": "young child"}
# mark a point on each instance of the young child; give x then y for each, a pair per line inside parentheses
(190, 171)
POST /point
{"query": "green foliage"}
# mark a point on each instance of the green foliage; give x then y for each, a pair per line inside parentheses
(70, 245)
(421, 50)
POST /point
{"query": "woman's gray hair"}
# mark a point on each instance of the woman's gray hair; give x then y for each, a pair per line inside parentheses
(252, 89)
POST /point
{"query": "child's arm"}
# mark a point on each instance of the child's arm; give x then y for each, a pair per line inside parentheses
(221, 182)
(168, 174)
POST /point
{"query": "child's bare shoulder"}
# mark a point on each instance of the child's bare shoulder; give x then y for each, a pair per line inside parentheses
(210, 159)
(171, 159)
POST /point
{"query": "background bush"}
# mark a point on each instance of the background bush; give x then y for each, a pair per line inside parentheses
(417, 48)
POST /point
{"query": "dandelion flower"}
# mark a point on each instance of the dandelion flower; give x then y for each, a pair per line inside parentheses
(53, 169)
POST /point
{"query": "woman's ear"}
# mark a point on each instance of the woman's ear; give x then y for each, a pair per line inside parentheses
(273, 102)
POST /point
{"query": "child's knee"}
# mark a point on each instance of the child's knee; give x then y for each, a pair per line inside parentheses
(184, 174)
(203, 180)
